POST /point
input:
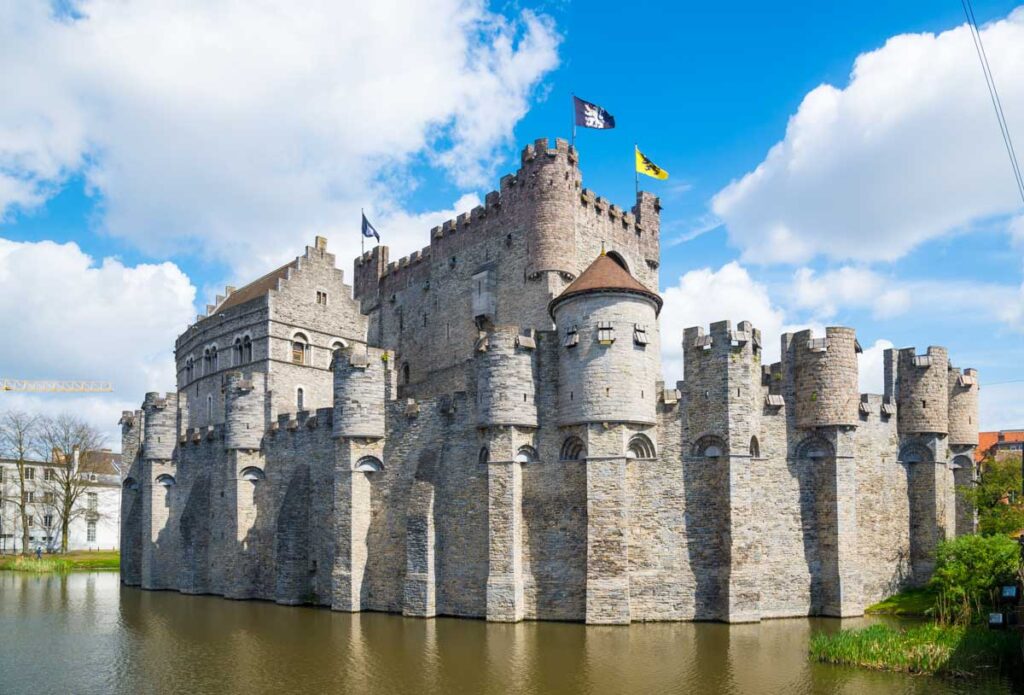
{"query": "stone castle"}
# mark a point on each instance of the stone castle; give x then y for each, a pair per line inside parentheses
(481, 429)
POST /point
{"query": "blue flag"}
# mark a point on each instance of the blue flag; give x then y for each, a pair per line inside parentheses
(368, 229)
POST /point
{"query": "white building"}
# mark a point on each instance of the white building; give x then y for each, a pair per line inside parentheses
(96, 523)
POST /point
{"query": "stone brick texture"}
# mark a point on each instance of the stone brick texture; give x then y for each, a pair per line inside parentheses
(453, 456)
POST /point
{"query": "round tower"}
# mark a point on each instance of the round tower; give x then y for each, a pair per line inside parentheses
(359, 378)
(160, 426)
(922, 391)
(244, 406)
(825, 378)
(963, 407)
(505, 379)
(608, 353)
(550, 181)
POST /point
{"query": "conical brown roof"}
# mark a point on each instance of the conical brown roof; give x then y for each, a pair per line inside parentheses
(604, 275)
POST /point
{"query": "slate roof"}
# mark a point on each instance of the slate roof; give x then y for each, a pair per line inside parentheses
(256, 289)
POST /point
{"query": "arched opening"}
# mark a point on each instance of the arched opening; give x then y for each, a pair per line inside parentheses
(252, 474)
(755, 448)
(915, 453)
(213, 358)
(299, 398)
(526, 454)
(405, 373)
(206, 361)
(165, 479)
(485, 455)
(130, 484)
(640, 447)
(239, 353)
(300, 348)
(573, 449)
(338, 344)
(814, 449)
(615, 256)
(247, 349)
(369, 464)
(710, 447)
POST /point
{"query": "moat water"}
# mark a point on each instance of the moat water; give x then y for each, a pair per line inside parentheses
(85, 633)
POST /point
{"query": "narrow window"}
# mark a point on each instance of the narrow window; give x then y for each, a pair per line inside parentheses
(247, 349)
(48, 474)
(209, 409)
(572, 337)
(238, 351)
(405, 373)
(90, 532)
(48, 520)
(424, 320)
(298, 398)
(92, 502)
(213, 358)
(924, 404)
(640, 334)
(605, 333)
(299, 347)
(30, 474)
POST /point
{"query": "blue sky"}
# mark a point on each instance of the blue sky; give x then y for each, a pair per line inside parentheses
(181, 152)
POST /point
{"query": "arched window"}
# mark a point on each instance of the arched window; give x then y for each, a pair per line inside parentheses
(338, 344)
(485, 455)
(252, 474)
(206, 361)
(165, 480)
(189, 369)
(209, 409)
(300, 346)
(239, 354)
(640, 447)
(130, 484)
(213, 358)
(246, 349)
(814, 449)
(299, 400)
(369, 464)
(615, 256)
(526, 454)
(916, 452)
(755, 448)
(710, 447)
(405, 373)
(573, 449)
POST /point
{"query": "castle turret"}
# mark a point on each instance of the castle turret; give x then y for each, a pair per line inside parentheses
(131, 501)
(825, 374)
(922, 391)
(963, 407)
(551, 179)
(160, 426)
(245, 410)
(505, 378)
(360, 375)
(609, 361)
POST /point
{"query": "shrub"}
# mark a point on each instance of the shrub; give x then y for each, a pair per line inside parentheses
(968, 570)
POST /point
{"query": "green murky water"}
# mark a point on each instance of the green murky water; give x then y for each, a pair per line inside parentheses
(85, 633)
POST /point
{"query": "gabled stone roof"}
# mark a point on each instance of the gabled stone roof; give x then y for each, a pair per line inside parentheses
(604, 275)
(255, 289)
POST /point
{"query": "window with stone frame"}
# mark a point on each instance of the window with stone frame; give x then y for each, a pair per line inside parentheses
(213, 358)
(640, 334)
(299, 398)
(246, 350)
(605, 332)
(48, 520)
(239, 354)
(321, 298)
(300, 346)
(30, 473)
(572, 337)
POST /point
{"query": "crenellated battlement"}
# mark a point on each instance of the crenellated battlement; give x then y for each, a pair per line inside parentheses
(922, 390)
(824, 371)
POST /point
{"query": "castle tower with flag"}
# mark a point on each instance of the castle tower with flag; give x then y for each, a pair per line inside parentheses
(482, 429)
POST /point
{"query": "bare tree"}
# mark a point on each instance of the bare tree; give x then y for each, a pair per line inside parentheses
(73, 447)
(19, 439)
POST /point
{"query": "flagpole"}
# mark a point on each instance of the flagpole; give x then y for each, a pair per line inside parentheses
(636, 172)
(362, 237)
(573, 112)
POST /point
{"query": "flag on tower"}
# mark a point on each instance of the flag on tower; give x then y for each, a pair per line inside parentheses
(591, 115)
(368, 229)
(646, 166)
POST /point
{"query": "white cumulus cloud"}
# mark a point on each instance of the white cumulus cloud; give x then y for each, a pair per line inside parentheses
(909, 150)
(67, 316)
(240, 130)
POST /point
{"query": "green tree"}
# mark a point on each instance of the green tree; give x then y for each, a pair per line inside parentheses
(998, 497)
(968, 570)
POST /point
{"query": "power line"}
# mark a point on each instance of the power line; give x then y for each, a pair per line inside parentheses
(997, 103)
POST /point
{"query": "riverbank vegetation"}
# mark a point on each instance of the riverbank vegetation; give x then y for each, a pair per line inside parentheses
(68, 562)
(930, 648)
(968, 573)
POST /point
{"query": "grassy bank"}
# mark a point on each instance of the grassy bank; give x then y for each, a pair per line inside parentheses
(929, 649)
(81, 560)
(910, 602)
